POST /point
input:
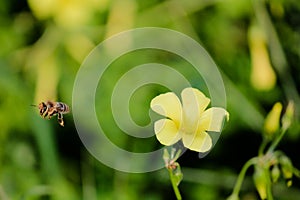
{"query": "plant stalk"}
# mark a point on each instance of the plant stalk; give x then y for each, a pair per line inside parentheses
(242, 174)
(174, 185)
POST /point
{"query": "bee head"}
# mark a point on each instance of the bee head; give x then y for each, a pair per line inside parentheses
(42, 107)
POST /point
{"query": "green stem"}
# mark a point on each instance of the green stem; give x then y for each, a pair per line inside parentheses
(276, 141)
(269, 192)
(269, 186)
(262, 147)
(174, 185)
(242, 174)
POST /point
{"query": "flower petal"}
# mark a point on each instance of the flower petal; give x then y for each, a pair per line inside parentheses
(166, 132)
(168, 105)
(193, 98)
(213, 119)
(200, 142)
(194, 103)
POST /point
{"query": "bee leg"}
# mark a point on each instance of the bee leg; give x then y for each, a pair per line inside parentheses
(60, 119)
(51, 113)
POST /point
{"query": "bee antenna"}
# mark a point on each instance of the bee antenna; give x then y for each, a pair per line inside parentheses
(33, 105)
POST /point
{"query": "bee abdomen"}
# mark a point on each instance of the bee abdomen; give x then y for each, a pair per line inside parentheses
(62, 107)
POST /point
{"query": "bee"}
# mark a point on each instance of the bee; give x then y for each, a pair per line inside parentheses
(52, 108)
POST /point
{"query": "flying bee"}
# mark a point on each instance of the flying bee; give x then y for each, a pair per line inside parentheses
(52, 108)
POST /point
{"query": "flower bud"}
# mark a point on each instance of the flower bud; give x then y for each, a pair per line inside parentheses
(260, 178)
(288, 115)
(178, 174)
(287, 169)
(272, 121)
(275, 173)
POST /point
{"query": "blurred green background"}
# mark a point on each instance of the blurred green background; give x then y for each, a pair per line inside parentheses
(256, 45)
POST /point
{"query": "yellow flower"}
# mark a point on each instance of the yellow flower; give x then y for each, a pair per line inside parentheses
(188, 121)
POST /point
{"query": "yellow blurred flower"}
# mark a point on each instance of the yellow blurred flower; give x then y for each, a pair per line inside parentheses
(67, 13)
(263, 77)
(188, 121)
